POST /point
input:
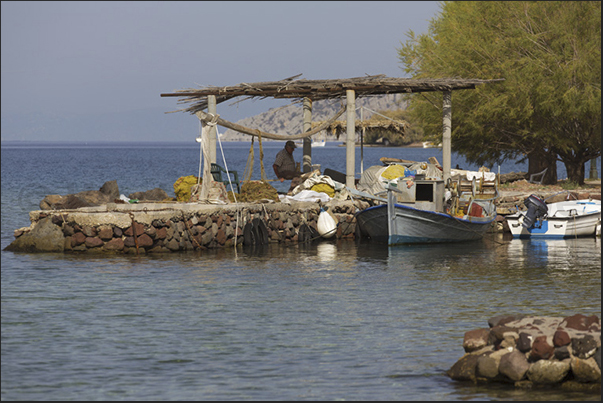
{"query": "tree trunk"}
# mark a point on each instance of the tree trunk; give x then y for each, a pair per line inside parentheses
(575, 172)
(540, 159)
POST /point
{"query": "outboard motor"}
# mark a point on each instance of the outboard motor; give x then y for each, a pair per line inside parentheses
(536, 209)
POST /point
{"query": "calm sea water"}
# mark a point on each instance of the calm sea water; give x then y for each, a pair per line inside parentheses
(336, 320)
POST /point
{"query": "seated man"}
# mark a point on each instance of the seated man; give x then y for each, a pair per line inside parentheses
(284, 165)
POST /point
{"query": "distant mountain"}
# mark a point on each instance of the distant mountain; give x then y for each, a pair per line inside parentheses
(288, 120)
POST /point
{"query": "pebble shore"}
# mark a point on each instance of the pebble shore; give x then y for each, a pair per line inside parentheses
(534, 351)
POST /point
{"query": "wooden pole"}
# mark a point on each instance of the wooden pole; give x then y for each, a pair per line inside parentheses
(350, 143)
(307, 158)
(211, 108)
(447, 134)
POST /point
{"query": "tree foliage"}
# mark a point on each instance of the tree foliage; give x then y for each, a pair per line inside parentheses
(548, 108)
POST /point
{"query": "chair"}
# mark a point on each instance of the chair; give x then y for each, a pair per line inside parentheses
(216, 172)
(537, 175)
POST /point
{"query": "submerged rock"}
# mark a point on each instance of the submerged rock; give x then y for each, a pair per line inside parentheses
(44, 237)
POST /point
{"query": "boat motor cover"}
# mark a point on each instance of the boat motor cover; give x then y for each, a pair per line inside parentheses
(536, 209)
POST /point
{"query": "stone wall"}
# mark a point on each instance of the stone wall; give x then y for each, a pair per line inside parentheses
(165, 228)
(531, 351)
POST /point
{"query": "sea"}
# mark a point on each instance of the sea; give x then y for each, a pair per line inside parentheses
(332, 320)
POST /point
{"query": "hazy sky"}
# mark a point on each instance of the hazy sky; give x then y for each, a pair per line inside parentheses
(83, 58)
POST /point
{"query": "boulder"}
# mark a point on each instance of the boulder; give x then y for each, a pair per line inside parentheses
(503, 319)
(464, 369)
(580, 322)
(524, 342)
(585, 371)
(561, 338)
(541, 349)
(44, 237)
(486, 367)
(584, 347)
(49, 202)
(548, 372)
(514, 365)
(156, 194)
(475, 339)
(110, 189)
(70, 202)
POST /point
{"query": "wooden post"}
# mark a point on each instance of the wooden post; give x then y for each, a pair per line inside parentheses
(350, 142)
(211, 108)
(307, 157)
(447, 134)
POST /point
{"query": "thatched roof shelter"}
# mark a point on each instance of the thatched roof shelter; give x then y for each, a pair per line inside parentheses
(319, 89)
(339, 127)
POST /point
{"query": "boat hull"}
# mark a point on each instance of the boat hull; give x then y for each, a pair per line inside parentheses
(409, 225)
(552, 227)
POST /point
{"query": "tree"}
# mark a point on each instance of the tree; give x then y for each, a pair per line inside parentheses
(548, 108)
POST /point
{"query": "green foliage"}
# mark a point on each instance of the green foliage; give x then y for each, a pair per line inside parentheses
(549, 54)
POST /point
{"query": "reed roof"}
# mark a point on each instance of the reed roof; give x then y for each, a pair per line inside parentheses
(316, 90)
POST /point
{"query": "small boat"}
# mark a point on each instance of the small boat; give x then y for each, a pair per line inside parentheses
(565, 219)
(424, 210)
(319, 143)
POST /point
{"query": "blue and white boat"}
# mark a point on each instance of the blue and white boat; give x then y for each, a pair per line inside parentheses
(565, 219)
(427, 211)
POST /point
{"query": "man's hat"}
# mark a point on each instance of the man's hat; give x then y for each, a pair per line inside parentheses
(291, 144)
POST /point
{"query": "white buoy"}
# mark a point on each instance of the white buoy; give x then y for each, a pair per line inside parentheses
(326, 225)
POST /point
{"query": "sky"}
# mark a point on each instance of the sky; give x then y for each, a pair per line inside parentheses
(89, 64)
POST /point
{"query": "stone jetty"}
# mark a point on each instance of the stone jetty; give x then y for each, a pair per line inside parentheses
(534, 351)
(163, 227)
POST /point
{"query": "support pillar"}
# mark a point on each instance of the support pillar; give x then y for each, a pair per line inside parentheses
(447, 134)
(211, 108)
(350, 142)
(307, 149)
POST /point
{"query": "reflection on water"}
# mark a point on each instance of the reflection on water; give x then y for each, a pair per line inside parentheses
(331, 319)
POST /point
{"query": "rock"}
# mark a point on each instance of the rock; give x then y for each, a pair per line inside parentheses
(548, 372)
(541, 349)
(145, 241)
(70, 202)
(503, 319)
(562, 353)
(561, 338)
(475, 339)
(156, 194)
(498, 333)
(464, 369)
(93, 242)
(49, 202)
(110, 189)
(585, 371)
(524, 342)
(584, 347)
(514, 365)
(597, 357)
(44, 237)
(94, 197)
(115, 244)
(486, 367)
(78, 238)
(580, 322)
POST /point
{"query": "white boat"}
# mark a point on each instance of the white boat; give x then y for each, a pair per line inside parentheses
(426, 211)
(319, 143)
(566, 219)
